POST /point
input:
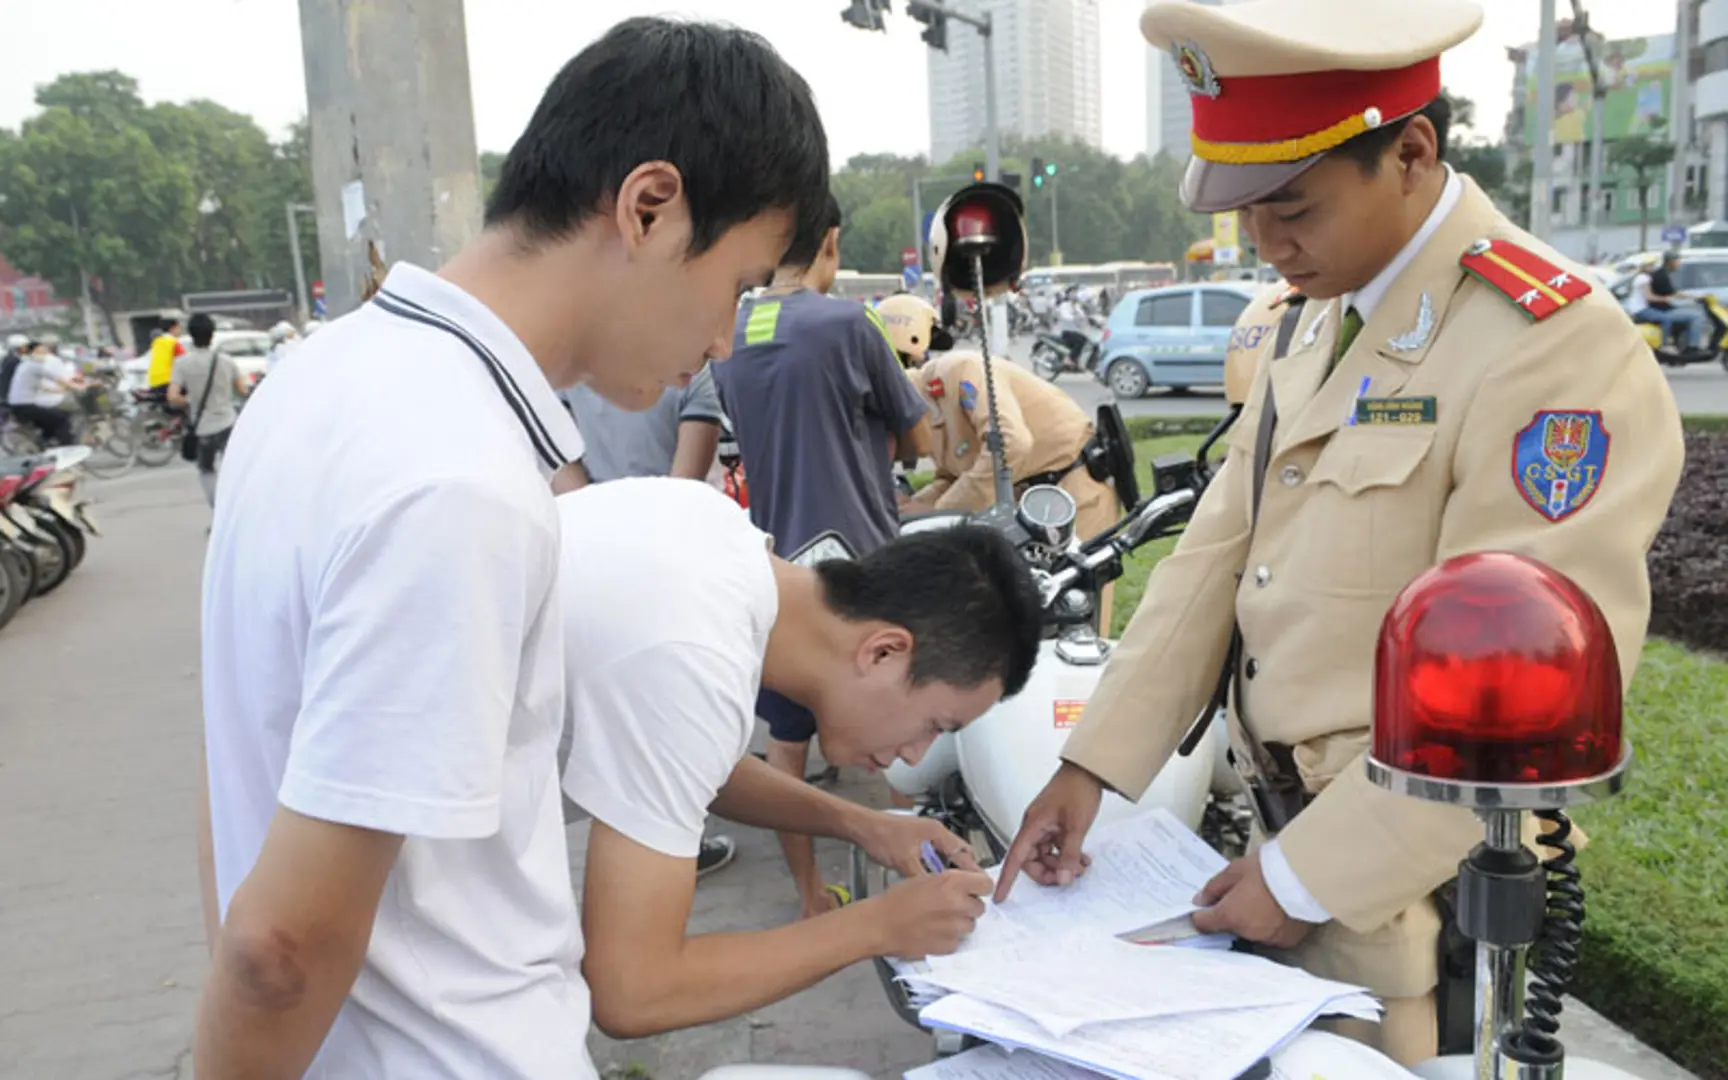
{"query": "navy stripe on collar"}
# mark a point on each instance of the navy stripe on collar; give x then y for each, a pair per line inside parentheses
(544, 445)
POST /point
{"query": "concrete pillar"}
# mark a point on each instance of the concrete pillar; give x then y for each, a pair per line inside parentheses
(388, 98)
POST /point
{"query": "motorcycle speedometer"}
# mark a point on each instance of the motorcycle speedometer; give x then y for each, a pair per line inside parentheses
(1047, 513)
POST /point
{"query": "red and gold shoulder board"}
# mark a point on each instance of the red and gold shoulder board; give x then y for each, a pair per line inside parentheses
(1536, 286)
(1286, 296)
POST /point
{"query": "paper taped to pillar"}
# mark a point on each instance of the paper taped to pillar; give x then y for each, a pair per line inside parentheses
(1226, 243)
(353, 207)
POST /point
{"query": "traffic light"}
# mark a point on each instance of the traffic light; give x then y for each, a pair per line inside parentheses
(977, 172)
(935, 24)
(1050, 169)
(1011, 179)
(866, 14)
(1037, 172)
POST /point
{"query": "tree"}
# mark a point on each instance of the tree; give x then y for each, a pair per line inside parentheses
(99, 183)
(1642, 155)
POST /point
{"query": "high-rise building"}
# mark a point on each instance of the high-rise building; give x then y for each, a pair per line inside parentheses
(1169, 121)
(1047, 79)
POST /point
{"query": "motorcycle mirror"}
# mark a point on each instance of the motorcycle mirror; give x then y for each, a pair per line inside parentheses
(827, 547)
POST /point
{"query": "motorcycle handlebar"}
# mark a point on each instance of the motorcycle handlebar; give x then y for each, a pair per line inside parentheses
(1119, 541)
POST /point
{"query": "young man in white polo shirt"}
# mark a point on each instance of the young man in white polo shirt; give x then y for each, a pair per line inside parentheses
(676, 613)
(383, 655)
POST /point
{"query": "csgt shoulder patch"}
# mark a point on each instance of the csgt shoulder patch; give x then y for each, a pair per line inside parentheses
(1536, 286)
(968, 395)
(1558, 461)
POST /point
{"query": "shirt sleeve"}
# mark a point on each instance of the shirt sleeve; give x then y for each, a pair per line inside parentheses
(177, 373)
(418, 622)
(897, 400)
(700, 401)
(1287, 888)
(655, 735)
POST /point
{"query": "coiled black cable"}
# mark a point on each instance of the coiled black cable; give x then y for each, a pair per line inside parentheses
(1555, 953)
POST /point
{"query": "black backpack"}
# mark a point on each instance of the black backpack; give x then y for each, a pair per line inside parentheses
(8, 368)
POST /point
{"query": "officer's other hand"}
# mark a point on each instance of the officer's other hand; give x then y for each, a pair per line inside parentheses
(1238, 901)
(929, 915)
(1048, 844)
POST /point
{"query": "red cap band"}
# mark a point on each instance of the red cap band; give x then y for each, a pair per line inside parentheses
(1264, 119)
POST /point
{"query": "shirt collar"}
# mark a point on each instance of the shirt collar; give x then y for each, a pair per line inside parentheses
(412, 292)
(1368, 297)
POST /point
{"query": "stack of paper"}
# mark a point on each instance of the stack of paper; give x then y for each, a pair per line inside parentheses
(1138, 1012)
(1311, 1054)
(1141, 885)
(1053, 971)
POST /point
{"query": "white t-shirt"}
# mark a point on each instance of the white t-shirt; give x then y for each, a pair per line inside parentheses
(668, 597)
(48, 393)
(382, 648)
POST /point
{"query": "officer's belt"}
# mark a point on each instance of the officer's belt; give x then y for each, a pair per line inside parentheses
(1054, 476)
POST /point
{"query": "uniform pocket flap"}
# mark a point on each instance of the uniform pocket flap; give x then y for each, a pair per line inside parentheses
(1358, 460)
(1244, 431)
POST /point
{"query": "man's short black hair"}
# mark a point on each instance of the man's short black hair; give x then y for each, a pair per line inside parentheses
(1369, 148)
(965, 595)
(804, 249)
(716, 102)
(202, 329)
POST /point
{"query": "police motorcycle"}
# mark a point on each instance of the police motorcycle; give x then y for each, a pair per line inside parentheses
(979, 781)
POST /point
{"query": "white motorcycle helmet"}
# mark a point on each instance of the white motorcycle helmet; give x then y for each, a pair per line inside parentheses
(16, 342)
(911, 325)
(281, 332)
(979, 220)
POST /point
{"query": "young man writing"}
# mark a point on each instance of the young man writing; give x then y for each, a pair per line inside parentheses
(383, 661)
(669, 643)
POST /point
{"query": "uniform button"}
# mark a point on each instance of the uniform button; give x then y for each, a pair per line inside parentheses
(1262, 574)
(1253, 667)
(1291, 475)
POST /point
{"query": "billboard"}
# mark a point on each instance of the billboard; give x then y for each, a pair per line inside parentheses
(1638, 74)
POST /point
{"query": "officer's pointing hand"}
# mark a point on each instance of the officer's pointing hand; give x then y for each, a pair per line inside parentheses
(1048, 844)
(1238, 901)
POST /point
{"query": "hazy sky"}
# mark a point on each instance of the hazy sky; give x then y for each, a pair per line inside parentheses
(871, 87)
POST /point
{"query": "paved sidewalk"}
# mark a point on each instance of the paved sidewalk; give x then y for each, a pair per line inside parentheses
(101, 943)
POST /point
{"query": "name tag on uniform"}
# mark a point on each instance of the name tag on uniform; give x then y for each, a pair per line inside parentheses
(1395, 410)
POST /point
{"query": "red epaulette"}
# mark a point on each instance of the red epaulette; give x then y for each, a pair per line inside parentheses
(1286, 296)
(1535, 285)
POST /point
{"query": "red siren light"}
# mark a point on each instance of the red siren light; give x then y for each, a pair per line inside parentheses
(973, 222)
(1493, 668)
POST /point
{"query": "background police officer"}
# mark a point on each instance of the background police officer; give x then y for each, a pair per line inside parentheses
(1452, 385)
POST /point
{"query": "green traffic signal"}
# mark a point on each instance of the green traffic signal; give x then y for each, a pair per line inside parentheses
(1050, 169)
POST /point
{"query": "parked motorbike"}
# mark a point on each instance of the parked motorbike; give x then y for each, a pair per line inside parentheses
(43, 525)
(1715, 337)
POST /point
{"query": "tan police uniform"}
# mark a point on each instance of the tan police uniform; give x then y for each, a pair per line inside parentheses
(1043, 434)
(1255, 330)
(1493, 400)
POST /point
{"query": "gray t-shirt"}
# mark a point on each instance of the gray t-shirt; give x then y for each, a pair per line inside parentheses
(621, 443)
(191, 370)
(815, 392)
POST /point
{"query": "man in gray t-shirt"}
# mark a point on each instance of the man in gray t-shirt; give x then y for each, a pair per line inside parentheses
(677, 437)
(214, 404)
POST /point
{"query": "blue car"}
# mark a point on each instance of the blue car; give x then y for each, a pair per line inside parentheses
(1172, 336)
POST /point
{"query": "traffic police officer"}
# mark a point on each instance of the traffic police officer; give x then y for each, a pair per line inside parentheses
(1044, 431)
(1450, 384)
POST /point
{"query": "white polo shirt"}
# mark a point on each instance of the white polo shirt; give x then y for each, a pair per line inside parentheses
(383, 648)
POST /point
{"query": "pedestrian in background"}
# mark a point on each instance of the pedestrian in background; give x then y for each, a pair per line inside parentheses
(211, 386)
